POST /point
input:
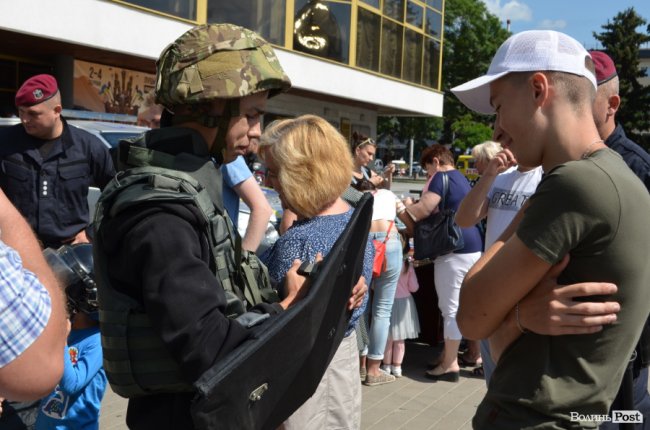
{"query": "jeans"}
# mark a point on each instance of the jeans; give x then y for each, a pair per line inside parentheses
(488, 364)
(641, 403)
(384, 295)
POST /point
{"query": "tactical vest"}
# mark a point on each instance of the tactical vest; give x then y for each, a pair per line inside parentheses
(135, 359)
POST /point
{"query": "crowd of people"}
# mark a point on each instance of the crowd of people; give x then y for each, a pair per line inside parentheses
(548, 286)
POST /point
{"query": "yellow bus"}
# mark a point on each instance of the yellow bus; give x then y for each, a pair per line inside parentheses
(465, 164)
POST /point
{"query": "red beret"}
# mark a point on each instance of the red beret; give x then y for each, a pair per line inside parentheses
(605, 68)
(36, 90)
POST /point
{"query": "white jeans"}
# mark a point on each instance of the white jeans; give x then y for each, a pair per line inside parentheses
(450, 270)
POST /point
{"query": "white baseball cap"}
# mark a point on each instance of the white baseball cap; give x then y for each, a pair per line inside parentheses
(528, 51)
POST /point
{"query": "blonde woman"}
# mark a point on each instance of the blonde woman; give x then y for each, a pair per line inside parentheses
(309, 163)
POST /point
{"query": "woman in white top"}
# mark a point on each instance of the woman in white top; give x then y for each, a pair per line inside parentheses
(382, 227)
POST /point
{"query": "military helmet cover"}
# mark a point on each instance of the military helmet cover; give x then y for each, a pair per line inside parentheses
(217, 61)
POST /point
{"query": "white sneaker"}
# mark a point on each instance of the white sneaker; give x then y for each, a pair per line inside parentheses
(396, 371)
(386, 368)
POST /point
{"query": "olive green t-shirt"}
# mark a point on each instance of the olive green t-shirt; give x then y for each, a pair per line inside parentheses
(597, 211)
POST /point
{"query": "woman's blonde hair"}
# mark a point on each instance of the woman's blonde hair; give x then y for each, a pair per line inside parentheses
(486, 151)
(313, 162)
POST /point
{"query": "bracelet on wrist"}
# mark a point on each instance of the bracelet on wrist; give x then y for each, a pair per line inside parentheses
(519, 326)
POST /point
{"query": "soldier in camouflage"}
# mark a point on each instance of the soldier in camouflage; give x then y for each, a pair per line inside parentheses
(214, 81)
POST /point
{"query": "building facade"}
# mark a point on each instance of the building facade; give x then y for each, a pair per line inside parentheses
(349, 60)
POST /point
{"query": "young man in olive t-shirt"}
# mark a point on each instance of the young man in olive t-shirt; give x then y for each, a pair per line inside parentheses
(590, 206)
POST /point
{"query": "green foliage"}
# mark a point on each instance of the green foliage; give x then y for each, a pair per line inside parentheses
(472, 36)
(468, 133)
(622, 40)
(420, 129)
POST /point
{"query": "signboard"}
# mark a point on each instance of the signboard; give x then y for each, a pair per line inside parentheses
(102, 88)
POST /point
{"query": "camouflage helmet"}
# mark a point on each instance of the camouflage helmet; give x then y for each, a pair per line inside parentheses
(217, 61)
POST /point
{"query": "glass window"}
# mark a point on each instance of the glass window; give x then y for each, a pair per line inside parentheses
(391, 49)
(434, 23)
(368, 27)
(27, 70)
(180, 8)
(374, 3)
(412, 67)
(322, 28)
(8, 74)
(266, 17)
(431, 63)
(435, 3)
(414, 14)
(394, 9)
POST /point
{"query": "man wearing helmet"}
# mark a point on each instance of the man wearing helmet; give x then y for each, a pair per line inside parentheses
(214, 81)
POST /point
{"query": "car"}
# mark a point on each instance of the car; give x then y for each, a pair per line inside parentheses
(110, 133)
(416, 169)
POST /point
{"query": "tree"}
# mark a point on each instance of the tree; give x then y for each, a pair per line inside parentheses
(472, 36)
(420, 129)
(468, 133)
(622, 41)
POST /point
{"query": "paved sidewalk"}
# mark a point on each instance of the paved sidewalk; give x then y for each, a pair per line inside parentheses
(412, 402)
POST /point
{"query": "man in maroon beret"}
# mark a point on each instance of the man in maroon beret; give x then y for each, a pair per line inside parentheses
(605, 107)
(48, 166)
(604, 110)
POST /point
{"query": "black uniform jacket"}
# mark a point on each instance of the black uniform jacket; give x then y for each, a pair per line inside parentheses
(159, 256)
(52, 192)
(634, 156)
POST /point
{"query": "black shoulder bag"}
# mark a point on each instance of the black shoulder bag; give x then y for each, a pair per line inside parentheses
(438, 234)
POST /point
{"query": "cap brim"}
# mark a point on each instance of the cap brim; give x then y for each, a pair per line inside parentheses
(475, 94)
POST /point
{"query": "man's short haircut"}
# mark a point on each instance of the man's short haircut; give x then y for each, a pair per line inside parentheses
(437, 151)
(610, 88)
(578, 90)
(486, 151)
(313, 161)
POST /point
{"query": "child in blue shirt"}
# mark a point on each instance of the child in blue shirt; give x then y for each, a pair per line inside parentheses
(75, 402)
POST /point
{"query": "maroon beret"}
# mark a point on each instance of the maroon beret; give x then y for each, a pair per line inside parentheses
(36, 90)
(605, 68)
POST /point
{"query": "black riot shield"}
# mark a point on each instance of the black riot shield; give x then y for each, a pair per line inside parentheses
(263, 381)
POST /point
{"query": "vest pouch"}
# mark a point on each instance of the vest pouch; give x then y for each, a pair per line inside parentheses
(234, 305)
(255, 280)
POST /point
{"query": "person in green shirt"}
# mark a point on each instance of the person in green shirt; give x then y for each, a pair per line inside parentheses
(589, 206)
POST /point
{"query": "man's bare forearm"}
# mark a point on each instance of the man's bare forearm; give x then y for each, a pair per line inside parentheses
(34, 372)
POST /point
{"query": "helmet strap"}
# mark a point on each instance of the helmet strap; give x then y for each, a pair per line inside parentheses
(199, 113)
(230, 110)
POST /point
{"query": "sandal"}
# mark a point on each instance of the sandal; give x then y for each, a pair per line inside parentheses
(478, 372)
(463, 362)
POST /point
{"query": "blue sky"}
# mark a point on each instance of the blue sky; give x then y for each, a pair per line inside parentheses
(577, 18)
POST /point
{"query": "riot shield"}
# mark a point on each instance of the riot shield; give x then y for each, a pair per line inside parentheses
(263, 381)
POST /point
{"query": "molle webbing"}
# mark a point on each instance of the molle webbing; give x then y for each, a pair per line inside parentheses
(136, 360)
